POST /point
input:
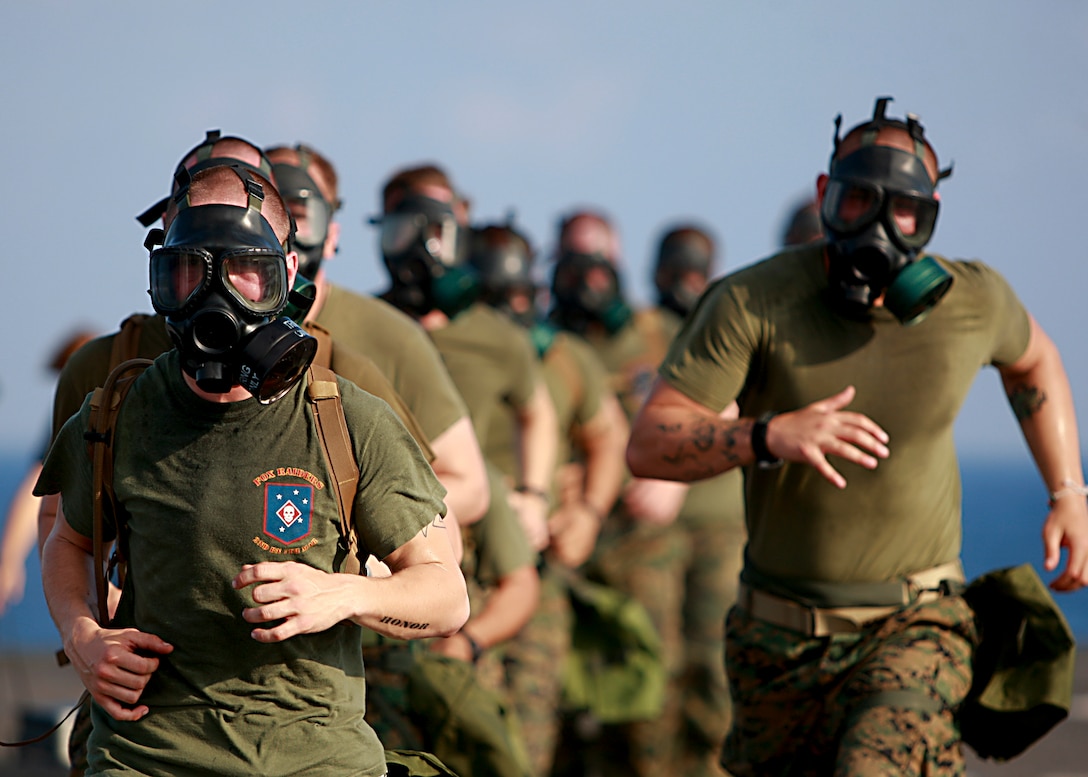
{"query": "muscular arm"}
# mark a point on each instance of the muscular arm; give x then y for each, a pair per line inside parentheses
(538, 430)
(1039, 392)
(575, 524)
(459, 465)
(509, 607)
(424, 596)
(113, 664)
(676, 438)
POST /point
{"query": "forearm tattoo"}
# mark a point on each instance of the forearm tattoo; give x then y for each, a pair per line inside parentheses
(1026, 400)
(701, 446)
(410, 625)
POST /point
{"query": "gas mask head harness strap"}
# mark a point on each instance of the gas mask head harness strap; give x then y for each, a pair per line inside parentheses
(204, 159)
(879, 210)
(310, 210)
(220, 280)
(419, 239)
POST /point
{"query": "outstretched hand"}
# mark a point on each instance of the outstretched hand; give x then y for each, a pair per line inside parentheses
(306, 600)
(823, 428)
(1067, 527)
(115, 665)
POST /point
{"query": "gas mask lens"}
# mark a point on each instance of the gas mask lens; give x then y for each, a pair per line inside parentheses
(312, 216)
(851, 206)
(402, 231)
(255, 277)
(177, 276)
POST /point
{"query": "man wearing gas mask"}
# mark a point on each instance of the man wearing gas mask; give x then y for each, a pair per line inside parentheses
(849, 651)
(640, 545)
(592, 435)
(370, 326)
(712, 518)
(235, 633)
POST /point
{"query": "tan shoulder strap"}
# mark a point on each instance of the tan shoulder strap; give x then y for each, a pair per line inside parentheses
(324, 343)
(324, 396)
(126, 343)
(105, 406)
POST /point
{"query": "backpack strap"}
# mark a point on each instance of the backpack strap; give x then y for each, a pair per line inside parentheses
(323, 395)
(100, 434)
(126, 343)
(324, 343)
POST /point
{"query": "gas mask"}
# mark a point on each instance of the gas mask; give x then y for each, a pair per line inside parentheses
(879, 210)
(419, 246)
(312, 214)
(503, 263)
(220, 280)
(683, 265)
(586, 290)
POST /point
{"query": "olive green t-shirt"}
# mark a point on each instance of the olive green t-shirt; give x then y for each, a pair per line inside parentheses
(491, 361)
(403, 352)
(767, 336)
(90, 366)
(209, 487)
(576, 381)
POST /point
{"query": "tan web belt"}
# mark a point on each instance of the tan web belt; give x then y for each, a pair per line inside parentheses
(924, 586)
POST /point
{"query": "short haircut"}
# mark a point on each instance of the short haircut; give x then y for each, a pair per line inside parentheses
(221, 184)
(411, 178)
(320, 169)
(596, 217)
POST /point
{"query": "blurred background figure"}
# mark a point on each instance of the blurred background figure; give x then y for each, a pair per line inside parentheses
(21, 522)
(802, 225)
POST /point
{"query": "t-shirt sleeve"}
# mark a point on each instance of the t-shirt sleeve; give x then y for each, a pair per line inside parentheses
(710, 357)
(1012, 324)
(67, 471)
(398, 492)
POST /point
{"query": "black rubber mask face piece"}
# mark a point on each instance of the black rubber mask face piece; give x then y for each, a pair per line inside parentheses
(878, 211)
(681, 275)
(220, 280)
(586, 289)
(419, 246)
(312, 214)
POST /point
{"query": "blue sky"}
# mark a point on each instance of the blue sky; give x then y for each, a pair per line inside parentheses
(717, 111)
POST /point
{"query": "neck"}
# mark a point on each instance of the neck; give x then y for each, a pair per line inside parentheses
(433, 320)
(321, 281)
(236, 394)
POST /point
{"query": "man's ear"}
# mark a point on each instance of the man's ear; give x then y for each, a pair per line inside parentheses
(332, 241)
(292, 268)
(821, 187)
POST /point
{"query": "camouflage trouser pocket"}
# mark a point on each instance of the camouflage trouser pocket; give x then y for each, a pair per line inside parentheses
(840, 704)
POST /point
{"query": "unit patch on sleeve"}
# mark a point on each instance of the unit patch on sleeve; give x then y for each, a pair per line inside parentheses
(287, 511)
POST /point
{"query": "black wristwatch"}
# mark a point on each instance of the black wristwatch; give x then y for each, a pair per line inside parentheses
(473, 645)
(764, 458)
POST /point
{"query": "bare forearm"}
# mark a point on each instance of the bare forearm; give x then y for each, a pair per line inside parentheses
(1042, 401)
(67, 582)
(21, 525)
(509, 607)
(678, 444)
(539, 441)
(424, 600)
(604, 441)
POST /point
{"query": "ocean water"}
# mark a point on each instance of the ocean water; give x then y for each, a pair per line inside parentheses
(1004, 507)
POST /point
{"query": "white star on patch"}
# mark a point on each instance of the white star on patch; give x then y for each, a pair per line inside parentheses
(279, 496)
(296, 492)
